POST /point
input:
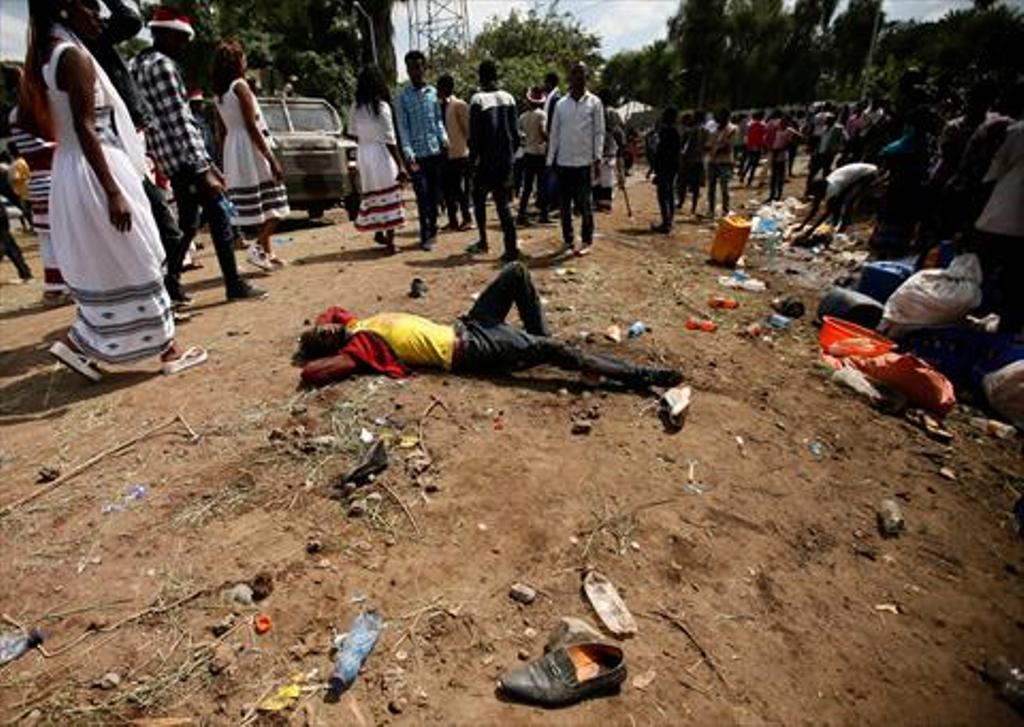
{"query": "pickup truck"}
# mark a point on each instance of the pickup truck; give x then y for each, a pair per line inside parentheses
(319, 162)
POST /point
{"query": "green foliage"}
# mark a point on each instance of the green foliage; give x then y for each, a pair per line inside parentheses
(651, 75)
(526, 47)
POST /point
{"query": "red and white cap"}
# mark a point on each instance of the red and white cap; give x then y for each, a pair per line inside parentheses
(172, 19)
(196, 94)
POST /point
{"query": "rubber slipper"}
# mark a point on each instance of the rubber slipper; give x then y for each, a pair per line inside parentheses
(75, 361)
(182, 317)
(195, 356)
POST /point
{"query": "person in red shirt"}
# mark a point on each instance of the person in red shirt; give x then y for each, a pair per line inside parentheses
(755, 146)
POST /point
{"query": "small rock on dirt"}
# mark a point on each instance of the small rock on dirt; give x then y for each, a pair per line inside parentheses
(530, 633)
(314, 546)
(642, 681)
(222, 660)
(357, 508)
(241, 594)
(47, 474)
(582, 427)
(110, 680)
(890, 519)
(948, 473)
(522, 593)
(276, 435)
(524, 655)
(374, 498)
(397, 706)
(223, 626)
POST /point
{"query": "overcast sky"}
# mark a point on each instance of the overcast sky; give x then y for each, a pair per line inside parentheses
(622, 24)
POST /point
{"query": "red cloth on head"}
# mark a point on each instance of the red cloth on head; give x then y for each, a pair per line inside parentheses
(335, 314)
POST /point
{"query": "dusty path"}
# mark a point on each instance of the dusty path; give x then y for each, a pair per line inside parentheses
(773, 562)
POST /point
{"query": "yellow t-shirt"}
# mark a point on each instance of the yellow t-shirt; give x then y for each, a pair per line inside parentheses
(415, 340)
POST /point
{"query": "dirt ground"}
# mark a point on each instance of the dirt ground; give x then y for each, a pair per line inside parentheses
(769, 557)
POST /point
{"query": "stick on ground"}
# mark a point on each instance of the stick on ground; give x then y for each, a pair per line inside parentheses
(681, 625)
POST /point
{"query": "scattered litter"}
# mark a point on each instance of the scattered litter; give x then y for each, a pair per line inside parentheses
(723, 303)
(675, 406)
(418, 288)
(358, 643)
(930, 425)
(741, 281)
(817, 449)
(284, 698)
(741, 443)
(888, 608)
(262, 624)
(789, 307)
(241, 594)
(778, 322)
(994, 427)
(613, 333)
(890, 519)
(597, 670)
(375, 462)
(1008, 679)
(133, 494)
(15, 645)
(366, 436)
(855, 380)
(608, 605)
(695, 324)
(638, 329)
(948, 473)
(642, 681)
(110, 680)
(522, 593)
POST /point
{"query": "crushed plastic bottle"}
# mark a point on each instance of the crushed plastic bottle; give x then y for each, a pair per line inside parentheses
(638, 329)
(15, 645)
(354, 650)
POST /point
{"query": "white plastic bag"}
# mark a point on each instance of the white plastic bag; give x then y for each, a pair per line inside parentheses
(1005, 392)
(934, 297)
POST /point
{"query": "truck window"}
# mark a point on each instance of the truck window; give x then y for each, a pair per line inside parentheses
(274, 114)
(313, 117)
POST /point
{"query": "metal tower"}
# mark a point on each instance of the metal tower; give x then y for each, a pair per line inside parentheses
(437, 24)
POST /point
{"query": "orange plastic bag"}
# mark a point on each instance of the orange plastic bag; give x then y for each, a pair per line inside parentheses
(924, 387)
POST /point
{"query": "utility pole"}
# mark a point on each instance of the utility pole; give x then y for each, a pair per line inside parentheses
(373, 30)
(871, 50)
(435, 24)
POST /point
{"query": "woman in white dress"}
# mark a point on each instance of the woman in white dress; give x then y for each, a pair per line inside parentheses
(104, 237)
(381, 209)
(255, 180)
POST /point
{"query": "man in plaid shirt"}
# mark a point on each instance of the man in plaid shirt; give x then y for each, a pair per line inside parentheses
(424, 139)
(176, 143)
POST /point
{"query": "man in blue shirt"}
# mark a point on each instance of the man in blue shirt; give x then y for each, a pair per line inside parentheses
(423, 138)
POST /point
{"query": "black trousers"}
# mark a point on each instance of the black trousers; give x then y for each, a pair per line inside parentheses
(455, 180)
(779, 160)
(1002, 259)
(667, 198)
(501, 190)
(750, 162)
(533, 175)
(170, 238)
(191, 198)
(494, 346)
(576, 191)
(9, 247)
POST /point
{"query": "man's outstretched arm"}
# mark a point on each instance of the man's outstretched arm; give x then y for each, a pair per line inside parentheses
(124, 23)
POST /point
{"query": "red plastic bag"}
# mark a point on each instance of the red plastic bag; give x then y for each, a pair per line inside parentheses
(924, 387)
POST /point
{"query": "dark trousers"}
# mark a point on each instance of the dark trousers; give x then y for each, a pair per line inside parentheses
(455, 180)
(667, 198)
(9, 247)
(494, 346)
(819, 164)
(718, 174)
(426, 182)
(1002, 259)
(691, 179)
(778, 178)
(170, 238)
(576, 192)
(750, 162)
(192, 198)
(502, 193)
(533, 174)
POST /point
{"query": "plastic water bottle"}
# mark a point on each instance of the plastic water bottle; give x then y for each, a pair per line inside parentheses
(14, 645)
(637, 329)
(358, 644)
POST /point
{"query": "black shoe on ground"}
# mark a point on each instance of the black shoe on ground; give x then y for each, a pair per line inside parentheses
(554, 680)
(244, 291)
(478, 248)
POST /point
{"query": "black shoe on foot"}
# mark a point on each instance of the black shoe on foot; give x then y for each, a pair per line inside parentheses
(665, 378)
(244, 291)
(477, 248)
(511, 257)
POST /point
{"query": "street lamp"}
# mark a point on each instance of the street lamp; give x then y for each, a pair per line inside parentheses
(373, 35)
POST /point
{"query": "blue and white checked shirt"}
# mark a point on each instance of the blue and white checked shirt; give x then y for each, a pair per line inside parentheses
(420, 122)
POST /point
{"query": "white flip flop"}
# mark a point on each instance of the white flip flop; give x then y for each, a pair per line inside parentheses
(195, 356)
(75, 361)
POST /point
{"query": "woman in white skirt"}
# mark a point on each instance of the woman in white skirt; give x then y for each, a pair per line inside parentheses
(104, 237)
(255, 180)
(381, 210)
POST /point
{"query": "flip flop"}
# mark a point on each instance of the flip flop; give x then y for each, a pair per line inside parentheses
(75, 361)
(182, 317)
(194, 356)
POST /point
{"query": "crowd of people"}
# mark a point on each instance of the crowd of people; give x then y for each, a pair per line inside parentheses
(116, 169)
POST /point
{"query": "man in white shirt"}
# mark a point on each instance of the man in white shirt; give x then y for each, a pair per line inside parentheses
(575, 148)
(840, 190)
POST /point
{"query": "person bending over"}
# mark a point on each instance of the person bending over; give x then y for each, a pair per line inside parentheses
(841, 191)
(481, 342)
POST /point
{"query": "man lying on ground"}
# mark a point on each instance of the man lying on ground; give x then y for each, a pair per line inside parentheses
(480, 342)
(841, 191)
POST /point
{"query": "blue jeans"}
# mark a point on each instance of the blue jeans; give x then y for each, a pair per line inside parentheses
(427, 184)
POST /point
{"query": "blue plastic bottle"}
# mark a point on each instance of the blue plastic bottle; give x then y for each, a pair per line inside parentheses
(13, 646)
(358, 644)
